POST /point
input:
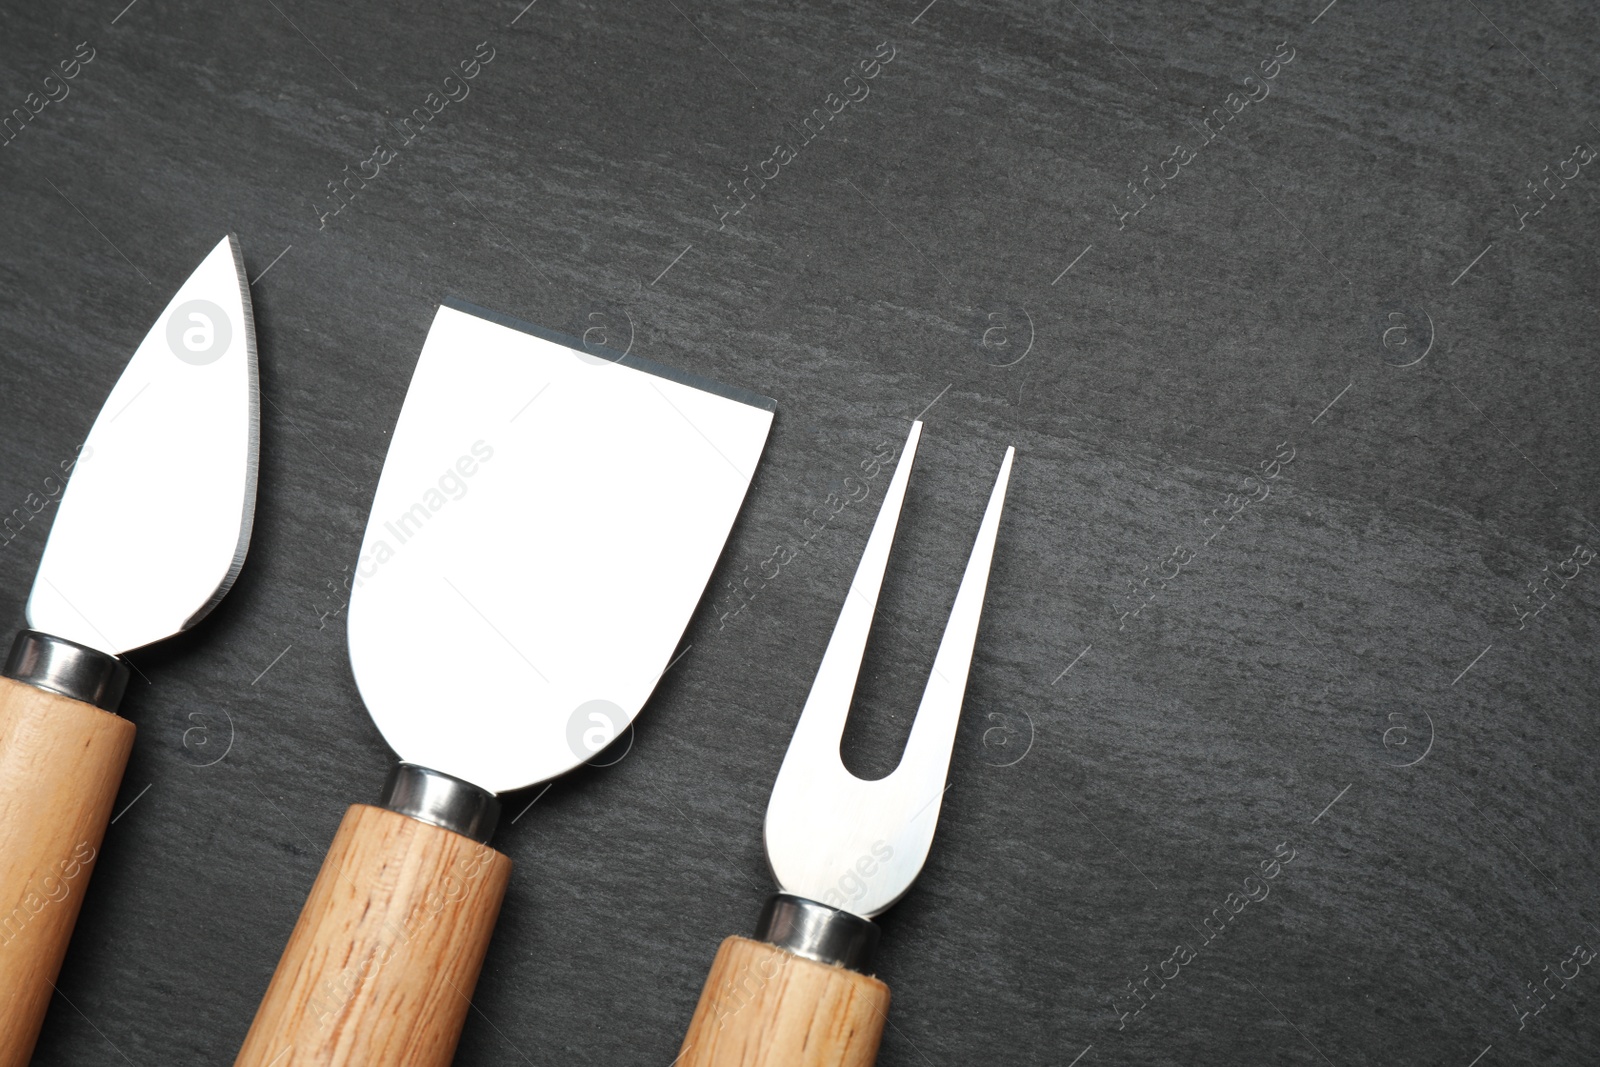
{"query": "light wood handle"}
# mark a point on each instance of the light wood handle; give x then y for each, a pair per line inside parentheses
(381, 966)
(765, 1007)
(61, 763)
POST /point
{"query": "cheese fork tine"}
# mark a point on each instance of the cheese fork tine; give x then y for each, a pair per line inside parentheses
(816, 736)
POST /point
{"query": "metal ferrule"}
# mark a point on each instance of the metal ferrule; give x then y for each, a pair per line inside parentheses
(818, 932)
(66, 667)
(436, 798)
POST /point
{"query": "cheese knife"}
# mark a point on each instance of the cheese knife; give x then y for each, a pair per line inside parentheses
(546, 521)
(150, 532)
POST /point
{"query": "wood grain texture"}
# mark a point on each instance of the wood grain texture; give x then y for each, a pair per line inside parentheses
(61, 762)
(764, 1007)
(381, 967)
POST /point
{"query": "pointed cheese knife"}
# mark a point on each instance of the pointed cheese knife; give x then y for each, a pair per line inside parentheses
(113, 579)
(546, 521)
(842, 850)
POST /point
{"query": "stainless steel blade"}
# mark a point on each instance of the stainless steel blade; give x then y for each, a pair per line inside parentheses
(155, 520)
(546, 521)
(830, 836)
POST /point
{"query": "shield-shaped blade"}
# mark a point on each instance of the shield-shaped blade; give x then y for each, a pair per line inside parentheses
(545, 523)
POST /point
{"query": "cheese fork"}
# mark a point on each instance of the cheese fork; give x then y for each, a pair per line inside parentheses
(841, 849)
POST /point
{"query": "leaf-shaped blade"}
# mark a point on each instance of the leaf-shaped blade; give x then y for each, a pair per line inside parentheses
(154, 523)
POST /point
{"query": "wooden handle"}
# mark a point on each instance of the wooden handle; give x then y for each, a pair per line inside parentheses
(381, 966)
(765, 1007)
(61, 763)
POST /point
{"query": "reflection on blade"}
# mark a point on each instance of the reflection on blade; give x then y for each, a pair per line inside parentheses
(546, 522)
(154, 523)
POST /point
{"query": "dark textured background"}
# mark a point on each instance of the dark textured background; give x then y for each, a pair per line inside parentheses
(1303, 655)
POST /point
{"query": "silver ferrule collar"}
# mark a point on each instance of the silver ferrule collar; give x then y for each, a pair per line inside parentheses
(818, 932)
(437, 798)
(68, 668)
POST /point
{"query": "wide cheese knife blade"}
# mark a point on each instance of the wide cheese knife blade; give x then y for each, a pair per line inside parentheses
(149, 534)
(545, 524)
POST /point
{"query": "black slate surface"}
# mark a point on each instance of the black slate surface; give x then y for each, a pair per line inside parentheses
(1343, 673)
